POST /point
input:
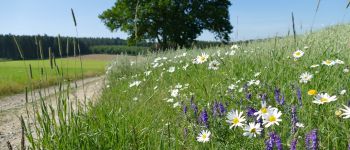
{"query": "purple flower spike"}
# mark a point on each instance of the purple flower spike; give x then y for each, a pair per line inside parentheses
(282, 100)
(311, 140)
(274, 139)
(294, 119)
(250, 112)
(222, 109)
(248, 96)
(185, 109)
(204, 118)
(277, 95)
(293, 144)
(299, 97)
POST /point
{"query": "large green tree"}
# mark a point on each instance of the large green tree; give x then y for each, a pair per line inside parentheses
(169, 22)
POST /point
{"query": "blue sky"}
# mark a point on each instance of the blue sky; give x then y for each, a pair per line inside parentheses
(256, 18)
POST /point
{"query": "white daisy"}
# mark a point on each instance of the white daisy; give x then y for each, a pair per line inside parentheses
(252, 130)
(232, 53)
(324, 98)
(170, 100)
(342, 92)
(147, 73)
(232, 86)
(171, 69)
(177, 104)
(214, 65)
(337, 61)
(185, 66)
(234, 46)
(328, 62)
(174, 92)
(300, 125)
(272, 117)
(346, 70)
(263, 110)
(297, 54)
(235, 119)
(346, 112)
(314, 66)
(201, 59)
(203, 136)
(257, 74)
(135, 83)
(178, 86)
(305, 77)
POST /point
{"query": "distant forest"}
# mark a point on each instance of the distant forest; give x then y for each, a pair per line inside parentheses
(31, 49)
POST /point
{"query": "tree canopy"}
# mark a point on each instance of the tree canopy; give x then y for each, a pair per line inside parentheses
(171, 23)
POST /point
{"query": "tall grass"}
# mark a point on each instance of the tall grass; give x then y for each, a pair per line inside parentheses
(144, 116)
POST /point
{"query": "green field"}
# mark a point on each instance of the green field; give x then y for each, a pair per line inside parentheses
(15, 75)
(166, 101)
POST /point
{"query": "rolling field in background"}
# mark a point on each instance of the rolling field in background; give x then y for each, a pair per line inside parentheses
(15, 75)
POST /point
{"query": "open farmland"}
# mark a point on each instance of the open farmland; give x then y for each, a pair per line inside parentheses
(15, 75)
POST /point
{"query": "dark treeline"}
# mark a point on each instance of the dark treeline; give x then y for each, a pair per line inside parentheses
(30, 45)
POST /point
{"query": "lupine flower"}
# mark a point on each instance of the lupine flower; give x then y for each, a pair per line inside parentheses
(235, 119)
(185, 133)
(299, 96)
(222, 109)
(184, 109)
(279, 99)
(293, 144)
(282, 100)
(251, 111)
(274, 139)
(294, 119)
(311, 140)
(248, 96)
(204, 118)
(195, 108)
(204, 136)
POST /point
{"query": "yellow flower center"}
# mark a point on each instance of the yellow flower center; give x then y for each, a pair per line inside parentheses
(298, 53)
(202, 58)
(328, 62)
(324, 100)
(272, 118)
(253, 130)
(204, 136)
(235, 121)
(312, 92)
(263, 110)
(338, 113)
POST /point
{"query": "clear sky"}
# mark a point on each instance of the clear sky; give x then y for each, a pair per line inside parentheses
(256, 18)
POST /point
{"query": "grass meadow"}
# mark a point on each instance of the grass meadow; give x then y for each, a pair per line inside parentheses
(261, 95)
(15, 75)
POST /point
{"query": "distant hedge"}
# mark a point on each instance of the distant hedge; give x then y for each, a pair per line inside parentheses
(119, 49)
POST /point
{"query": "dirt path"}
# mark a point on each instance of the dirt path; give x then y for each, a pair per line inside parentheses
(14, 106)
